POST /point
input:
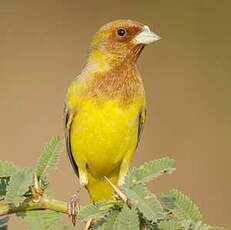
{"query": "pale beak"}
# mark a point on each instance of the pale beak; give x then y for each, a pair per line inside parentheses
(146, 37)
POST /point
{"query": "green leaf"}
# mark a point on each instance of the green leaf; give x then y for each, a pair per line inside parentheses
(95, 211)
(200, 226)
(208, 227)
(128, 219)
(42, 220)
(7, 169)
(4, 182)
(50, 156)
(109, 222)
(170, 225)
(149, 171)
(145, 201)
(150, 225)
(187, 224)
(181, 206)
(19, 185)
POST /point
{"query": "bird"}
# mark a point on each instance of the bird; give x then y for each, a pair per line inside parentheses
(105, 108)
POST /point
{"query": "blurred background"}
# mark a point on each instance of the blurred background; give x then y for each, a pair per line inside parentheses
(187, 76)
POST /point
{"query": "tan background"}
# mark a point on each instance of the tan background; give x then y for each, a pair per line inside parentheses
(43, 46)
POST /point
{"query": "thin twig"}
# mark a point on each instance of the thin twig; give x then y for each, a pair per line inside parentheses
(88, 224)
(121, 195)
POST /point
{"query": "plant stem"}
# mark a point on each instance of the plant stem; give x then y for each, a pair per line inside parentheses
(43, 204)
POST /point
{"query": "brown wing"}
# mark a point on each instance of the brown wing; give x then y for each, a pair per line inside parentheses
(68, 122)
(141, 121)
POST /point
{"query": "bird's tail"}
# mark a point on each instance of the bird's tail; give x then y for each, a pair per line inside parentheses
(99, 189)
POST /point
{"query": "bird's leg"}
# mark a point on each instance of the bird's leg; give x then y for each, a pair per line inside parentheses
(124, 167)
(74, 207)
(83, 178)
(74, 204)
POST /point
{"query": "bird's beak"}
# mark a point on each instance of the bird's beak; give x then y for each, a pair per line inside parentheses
(146, 37)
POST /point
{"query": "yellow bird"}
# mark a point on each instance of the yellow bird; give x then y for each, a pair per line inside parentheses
(105, 107)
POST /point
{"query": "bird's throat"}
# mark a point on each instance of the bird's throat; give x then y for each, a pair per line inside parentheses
(100, 61)
(122, 83)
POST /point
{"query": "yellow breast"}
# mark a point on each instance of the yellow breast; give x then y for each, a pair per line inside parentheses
(102, 133)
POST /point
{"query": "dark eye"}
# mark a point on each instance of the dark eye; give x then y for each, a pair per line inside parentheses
(121, 32)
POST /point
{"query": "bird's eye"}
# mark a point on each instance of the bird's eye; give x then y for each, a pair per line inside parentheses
(121, 32)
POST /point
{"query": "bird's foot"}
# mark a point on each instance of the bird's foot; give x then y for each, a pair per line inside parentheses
(74, 207)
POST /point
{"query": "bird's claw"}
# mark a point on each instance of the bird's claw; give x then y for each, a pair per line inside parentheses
(73, 208)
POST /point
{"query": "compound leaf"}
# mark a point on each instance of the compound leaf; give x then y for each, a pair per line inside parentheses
(149, 171)
(169, 225)
(128, 219)
(42, 220)
(181, 206)
(145, 201)
(49, 156)
(4, 182)
(7, 169)
(109, 222)
(95, 211)
(19, 185)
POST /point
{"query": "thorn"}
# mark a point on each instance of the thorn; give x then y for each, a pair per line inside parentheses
(36, 182)
(119, 193)
(88, 224)
(37, 192)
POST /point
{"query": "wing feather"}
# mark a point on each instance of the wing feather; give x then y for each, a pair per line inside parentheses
(68, 122)
(141, 121)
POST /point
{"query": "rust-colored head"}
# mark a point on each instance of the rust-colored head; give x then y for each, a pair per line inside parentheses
(121, 40)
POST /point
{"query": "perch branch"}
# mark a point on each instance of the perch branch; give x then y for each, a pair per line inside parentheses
(27, 205)
(42, 202)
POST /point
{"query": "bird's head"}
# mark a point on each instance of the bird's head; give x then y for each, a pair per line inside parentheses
(120, 41)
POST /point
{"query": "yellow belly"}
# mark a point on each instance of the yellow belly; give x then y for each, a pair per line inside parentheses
(102, 134)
